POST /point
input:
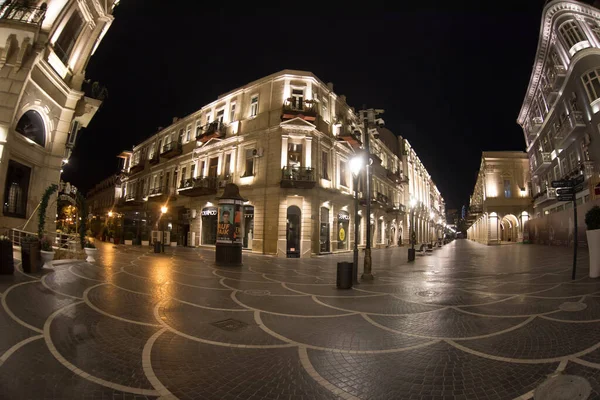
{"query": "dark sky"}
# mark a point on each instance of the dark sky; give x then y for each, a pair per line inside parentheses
(451, 76)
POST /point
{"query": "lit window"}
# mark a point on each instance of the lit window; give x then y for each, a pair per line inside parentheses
(595, 28)
(343, 173)
(249, 162)
(325, 165)
(188, 133)
(573, 161)
(294, 155)
(324, 114)
(571, 33)
(591, 81)
(198, 128)
(193, 170)
(298, 99)
(227, 168)
(220, 115)
(208, 118)
(63, 47)
(254, 106)
(232, 112)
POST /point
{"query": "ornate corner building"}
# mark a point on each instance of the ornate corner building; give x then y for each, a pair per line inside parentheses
(285, 140)
(44, 49)
(501, 201)
(560, 116)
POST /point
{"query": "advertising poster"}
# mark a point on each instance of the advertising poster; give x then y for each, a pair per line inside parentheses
(229, 228)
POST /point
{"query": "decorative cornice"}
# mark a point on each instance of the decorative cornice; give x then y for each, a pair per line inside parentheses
(551, 11)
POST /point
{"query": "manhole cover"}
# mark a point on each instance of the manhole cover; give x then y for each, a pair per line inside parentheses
(427, 293)
(572, 306)
(256, 292)
(231, 325)
(563, 387)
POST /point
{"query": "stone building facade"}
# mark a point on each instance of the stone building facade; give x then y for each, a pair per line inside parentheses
(501, 202)
(45, 47)
(559, 115)
(285, 140)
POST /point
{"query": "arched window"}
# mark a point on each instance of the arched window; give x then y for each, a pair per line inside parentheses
(571, 33)
(31, 125)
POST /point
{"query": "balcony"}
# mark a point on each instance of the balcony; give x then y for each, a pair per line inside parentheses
(588, 169)
(201, 186)
(213, 130)
(171, 150)
(23, 14)
(161, 194)
(573, 123)
(476, 209)
(138, 167)
(550, 93)
(542, 163)
(306, 110)
(297, 178)
(544, 196)
(536, 125)
(556, 76)
(394, 176)
(134, 198)
(154, 160)
(351, 138)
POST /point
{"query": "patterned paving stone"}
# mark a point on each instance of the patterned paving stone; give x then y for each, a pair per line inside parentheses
(202, 297)
(63, 281)
(352, 333)
(90, 271)
(297, 305)
(520, 305)
(451, 297)
(192, 370)
(33, 373)
(241, 275)
(593, 356)
(540, 339)
(447, 323)
(11, 332)
(33, 303)
(434, 372)
(101, 346)
(592, 375)
(326, 290)
(590, 313)
(567, 289)
(124, 304)
(377, 305)
(272, 287)
(520, 288)
(7, 281)
(199, 323)
(141, 285)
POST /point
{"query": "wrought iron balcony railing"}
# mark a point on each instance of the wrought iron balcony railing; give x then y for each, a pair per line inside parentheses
(298, 177)
(22, 13)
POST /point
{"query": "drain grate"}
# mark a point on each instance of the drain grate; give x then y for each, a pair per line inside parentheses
(563, 387)
(230, 325)
(572, 306)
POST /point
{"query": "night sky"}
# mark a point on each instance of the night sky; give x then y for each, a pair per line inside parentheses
(451, 76)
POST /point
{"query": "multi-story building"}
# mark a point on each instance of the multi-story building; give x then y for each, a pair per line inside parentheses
(285, 140)
(559, 115)
(47, 45)
(501, 201)
(101, 199)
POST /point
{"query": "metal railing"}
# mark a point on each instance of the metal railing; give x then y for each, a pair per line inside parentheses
(61, 241)
(23, 13)
(298, 174)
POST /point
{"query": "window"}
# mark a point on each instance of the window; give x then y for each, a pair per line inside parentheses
(325, 165)
(208, 118)
(294, 155)
(193, 170)
(175, 179)
(571, 33)
(563, 166)
(183, 174)
(595, 28)
(249, 162)
(298, 99)
(227, 169)
(343, 173)
(220, 115)
(557, 172)
(181, 133)
(202, 168)
(591, 81)
(151, 151)
(232, 112)
(31, 125)
(198, 128)
(66, 41)
(167, 177)
(16, 190)
(507, 188)
(188, 133)
(324, 107)
(573, 161)
(254, 106)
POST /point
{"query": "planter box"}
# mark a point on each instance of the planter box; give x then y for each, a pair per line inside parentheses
(128, 242)
(173, 244)
(593, 239)
(7, 264)
(30, 256)
(145, 243)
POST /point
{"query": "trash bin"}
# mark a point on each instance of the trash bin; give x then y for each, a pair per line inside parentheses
(344, 275)
(157, 246)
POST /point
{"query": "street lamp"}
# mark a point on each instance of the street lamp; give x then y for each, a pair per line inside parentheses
(163, 211)
(110, 214)
(356, 164)
(411, 251)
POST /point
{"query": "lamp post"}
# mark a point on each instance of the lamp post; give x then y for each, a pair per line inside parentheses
(163, 211)
(411, 251)
(356, 164)
(431, 226)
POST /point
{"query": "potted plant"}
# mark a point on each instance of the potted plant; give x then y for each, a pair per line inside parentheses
(30, 254)
(128, 238)
(47, 252)
(173, 239)
(592, 221)
(145, 238)
(6, 256)
(90, 251)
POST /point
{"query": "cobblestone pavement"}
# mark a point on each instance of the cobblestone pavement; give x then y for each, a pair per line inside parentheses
(466, 322)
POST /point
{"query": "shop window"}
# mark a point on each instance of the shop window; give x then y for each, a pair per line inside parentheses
(16, 190)
(248, 227)
(209, 225)
(324, 231)
(343, 220)
(63, 47)
(31, 125)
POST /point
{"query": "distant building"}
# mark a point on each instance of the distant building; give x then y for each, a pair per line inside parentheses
(101, 199)
(43, 104)
(560, 114)
(501, 201)
(286, 141)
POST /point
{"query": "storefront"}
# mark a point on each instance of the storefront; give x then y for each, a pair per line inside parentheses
(248, 227)
(209, 225)
(324, 241)
(343, 220)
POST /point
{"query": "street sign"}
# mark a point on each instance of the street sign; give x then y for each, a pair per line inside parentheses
(578, 188)
(579, 180)
(565, 191)
(562, 184)
(566, 197)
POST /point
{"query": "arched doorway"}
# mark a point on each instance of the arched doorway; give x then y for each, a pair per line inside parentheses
(294, 218)
(510, 228)
(31, 125)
